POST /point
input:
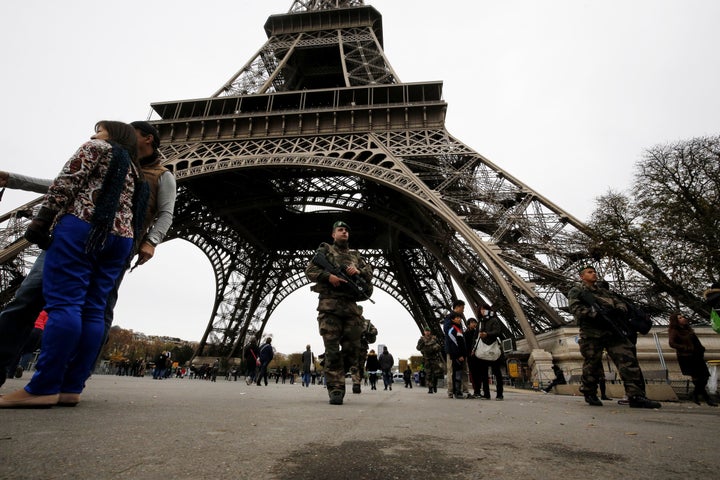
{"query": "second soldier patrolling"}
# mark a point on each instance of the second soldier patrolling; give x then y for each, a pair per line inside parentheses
(600, 315)
(340, 318)
(431, 350)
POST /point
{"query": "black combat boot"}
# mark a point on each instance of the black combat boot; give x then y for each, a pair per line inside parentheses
(336, 394)
(640, 401)
(356, 388)
(593, 400)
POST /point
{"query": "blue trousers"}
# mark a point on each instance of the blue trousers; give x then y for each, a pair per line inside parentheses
(387, 378)
(76, 286)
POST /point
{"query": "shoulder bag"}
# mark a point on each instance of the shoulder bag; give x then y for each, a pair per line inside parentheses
(486, 352)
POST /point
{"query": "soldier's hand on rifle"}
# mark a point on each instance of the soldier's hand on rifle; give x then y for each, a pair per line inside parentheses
(351, 270)
(336, 281)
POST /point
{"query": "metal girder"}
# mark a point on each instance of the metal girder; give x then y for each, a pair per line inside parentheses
(17, 255)
(337, 50)
(309, 5)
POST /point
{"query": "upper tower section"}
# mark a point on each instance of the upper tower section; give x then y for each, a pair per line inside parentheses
(309, 5)
(318, 44)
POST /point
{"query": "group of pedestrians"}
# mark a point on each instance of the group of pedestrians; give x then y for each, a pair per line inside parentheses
(605, 327)
(464, 368)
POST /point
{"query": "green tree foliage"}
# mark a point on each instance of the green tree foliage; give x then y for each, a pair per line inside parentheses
(182, 353)
(670, 219)
(294, 359)
(128, 345)
(279, 360)
(415, 362)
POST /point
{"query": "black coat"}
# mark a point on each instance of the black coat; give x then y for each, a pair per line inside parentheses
(690, 352)
(372, 364)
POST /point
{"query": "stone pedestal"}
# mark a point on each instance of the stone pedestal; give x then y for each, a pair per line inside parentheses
(540, 363)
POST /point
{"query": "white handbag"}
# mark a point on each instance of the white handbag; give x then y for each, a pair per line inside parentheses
(486, 352)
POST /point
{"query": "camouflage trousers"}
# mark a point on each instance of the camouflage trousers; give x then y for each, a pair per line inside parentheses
(433, 370)
(592, 343)
(341, 326)
(357, 377)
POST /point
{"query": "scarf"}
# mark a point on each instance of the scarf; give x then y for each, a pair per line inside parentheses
(108, 200)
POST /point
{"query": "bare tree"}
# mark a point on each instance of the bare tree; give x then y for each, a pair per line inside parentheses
(670, 219)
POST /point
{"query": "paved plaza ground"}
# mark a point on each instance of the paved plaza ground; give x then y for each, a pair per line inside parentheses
(139, 428)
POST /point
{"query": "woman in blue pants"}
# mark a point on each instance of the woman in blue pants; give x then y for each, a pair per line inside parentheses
(95, 208)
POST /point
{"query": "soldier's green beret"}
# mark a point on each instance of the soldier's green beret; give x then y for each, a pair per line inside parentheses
(339, 224)
(585, 267)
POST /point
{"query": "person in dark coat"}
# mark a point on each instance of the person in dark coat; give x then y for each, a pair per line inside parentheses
(386, 361)
(372, 365)
(489, 332)
(407, 377)
(265, 355)
(457, 352)
(250, 355)
(690, 355)
(308, 362)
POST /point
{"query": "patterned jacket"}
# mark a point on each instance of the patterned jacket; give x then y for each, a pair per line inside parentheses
(75, 189)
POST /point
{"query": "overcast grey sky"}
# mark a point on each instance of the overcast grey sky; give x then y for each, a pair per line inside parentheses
(565, 95)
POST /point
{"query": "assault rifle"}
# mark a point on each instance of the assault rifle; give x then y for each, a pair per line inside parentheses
(637, 317)
(356, 283)
(605, 314)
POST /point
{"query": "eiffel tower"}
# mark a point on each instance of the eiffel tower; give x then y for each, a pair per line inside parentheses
(317, 126)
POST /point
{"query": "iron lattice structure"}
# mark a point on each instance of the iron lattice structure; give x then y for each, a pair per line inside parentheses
(317, 126)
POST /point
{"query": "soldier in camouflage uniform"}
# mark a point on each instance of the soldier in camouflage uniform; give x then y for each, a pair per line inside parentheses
(600, 315)
(340, 318)
(368, 337)
(431, 350)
